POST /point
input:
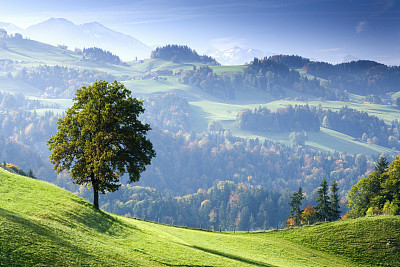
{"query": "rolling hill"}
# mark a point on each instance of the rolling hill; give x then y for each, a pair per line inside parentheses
(30, 52)
(59, 31)
(44, 225)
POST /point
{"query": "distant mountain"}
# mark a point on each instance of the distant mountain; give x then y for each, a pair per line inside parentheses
(59, 31)
(236, 55)
(10, 28)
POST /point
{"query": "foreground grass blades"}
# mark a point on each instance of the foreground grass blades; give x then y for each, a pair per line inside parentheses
(43, 225)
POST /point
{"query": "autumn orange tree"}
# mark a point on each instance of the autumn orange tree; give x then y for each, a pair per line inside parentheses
(308, 216)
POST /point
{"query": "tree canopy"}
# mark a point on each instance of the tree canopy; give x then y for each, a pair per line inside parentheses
(100, 138)
(181, 53)
(377, 193)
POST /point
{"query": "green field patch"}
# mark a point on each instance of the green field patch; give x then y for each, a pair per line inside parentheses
(395, 96)
(153, 86)
(33, 51)
(19, 87)
(228, 69)
(335, 141)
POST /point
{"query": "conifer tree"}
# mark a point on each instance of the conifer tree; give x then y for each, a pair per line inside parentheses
(381, 165)
(295, 203)
(323, 207)
(334, 205)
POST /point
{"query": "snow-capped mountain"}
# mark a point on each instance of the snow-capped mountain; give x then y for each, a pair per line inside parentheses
(236, 55)
(59, 31)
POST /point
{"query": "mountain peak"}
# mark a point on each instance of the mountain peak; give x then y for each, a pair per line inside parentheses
(236, 55)
(94, 24)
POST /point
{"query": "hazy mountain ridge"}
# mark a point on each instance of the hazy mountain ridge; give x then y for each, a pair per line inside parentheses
(9, 27)
(59, 31)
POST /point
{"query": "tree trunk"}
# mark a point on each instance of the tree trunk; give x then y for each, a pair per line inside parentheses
(95, 191)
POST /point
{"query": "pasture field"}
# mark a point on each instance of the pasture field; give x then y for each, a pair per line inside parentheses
(42, 224)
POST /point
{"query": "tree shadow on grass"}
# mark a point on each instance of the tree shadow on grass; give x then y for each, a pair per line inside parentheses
(97, 219)
(17, 248)
(230, 256)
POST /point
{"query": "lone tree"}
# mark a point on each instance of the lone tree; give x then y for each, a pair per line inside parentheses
(100, 138)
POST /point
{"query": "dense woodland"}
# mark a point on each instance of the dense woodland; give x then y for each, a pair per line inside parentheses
(379, 192)
(58, 81)
(18, 101)
(197, 163)
(268, 75)
(23, 134)
(294, 62)
(362, 126)
(181, 53)
(226, 205)
(167, 112)
(218, 85)
(17, 154)
(298, 118)
(273, 77)
(99, 55)
(362, 77)
(357, 124)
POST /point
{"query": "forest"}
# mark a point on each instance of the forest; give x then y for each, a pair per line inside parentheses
(362, 77)
(218, 85)
(99, 55)
(181, 53)
(358, 124)
(268, 75)
(168, 111)
(59, 81)
(226, 205)
(298, 118)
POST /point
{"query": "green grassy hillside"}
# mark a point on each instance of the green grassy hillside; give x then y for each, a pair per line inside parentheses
(43, 225)
(31, 51)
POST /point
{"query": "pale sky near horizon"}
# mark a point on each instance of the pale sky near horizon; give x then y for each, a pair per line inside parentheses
(325, 30)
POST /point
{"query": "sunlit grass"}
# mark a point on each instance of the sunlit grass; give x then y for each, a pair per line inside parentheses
(43, 225)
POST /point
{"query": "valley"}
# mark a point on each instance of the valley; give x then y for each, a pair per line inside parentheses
(166, 133)
(193, 109)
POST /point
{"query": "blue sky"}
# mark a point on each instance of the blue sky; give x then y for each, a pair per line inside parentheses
(318, 29)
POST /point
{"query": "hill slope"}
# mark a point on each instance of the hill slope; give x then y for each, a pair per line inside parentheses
(61, 31)
(42, 224)
(31, 51)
